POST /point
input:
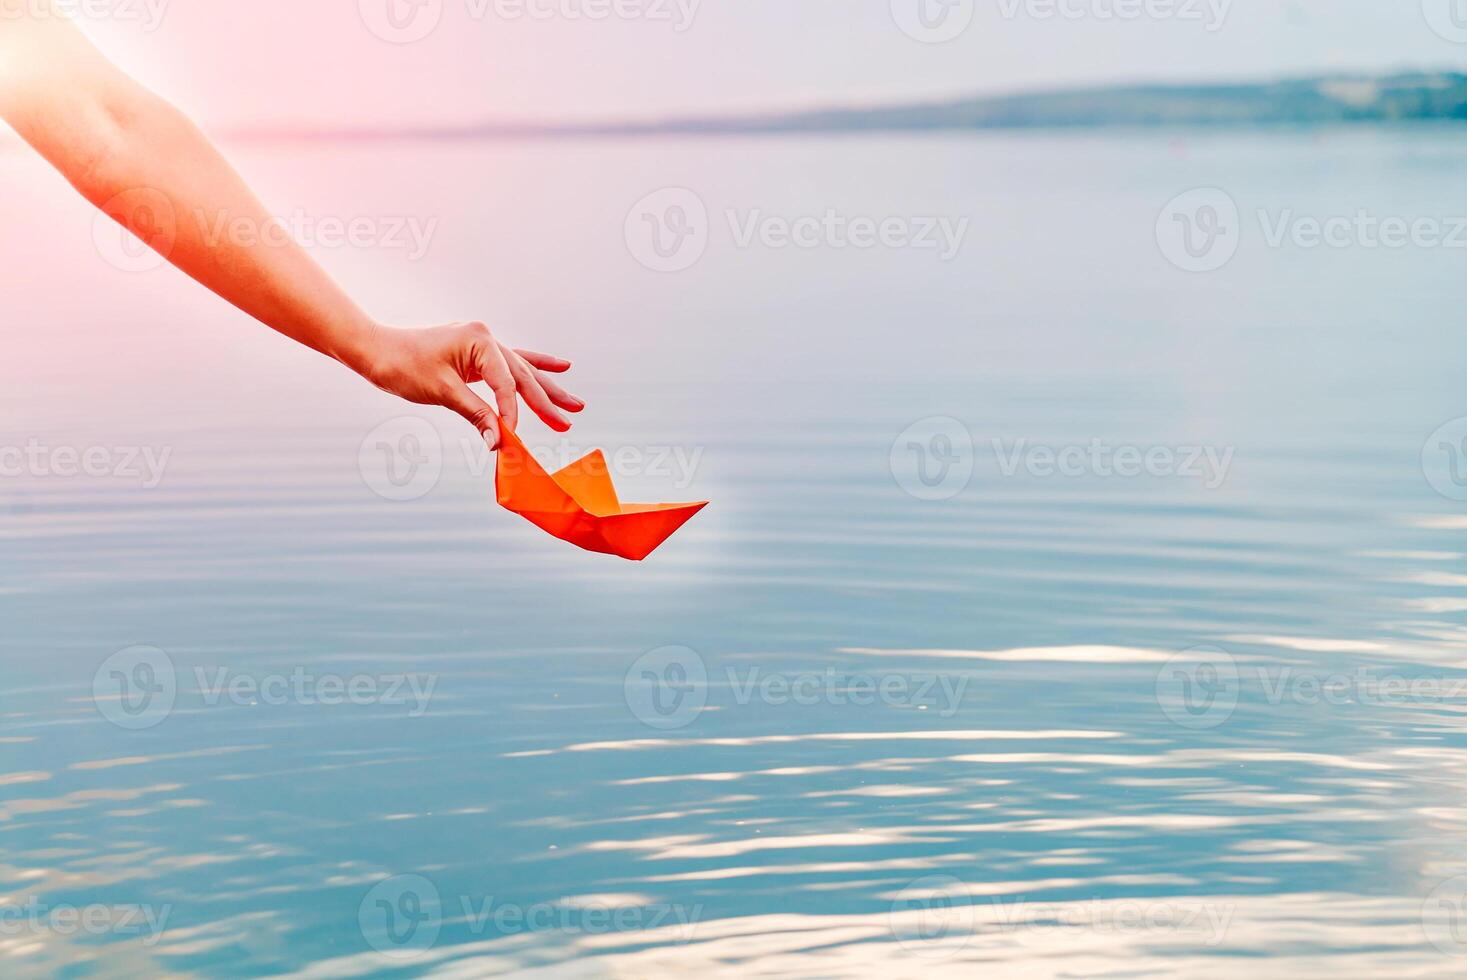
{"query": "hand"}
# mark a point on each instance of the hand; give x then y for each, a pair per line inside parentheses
(435, 366)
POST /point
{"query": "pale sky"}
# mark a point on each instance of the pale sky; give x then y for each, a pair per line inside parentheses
(302, 61)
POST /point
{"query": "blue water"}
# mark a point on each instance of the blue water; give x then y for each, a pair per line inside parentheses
(849, 721)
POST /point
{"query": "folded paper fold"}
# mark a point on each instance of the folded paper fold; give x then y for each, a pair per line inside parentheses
(578, 503)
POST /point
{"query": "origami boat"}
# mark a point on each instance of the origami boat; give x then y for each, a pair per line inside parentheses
(579, 503)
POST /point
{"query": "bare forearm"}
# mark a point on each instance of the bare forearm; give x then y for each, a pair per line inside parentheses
(162, 179)
(144, 163)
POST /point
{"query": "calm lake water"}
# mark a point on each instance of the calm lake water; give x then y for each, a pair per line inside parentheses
(932, 687)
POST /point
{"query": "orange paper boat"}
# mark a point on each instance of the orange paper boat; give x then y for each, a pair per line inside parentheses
(578, 503)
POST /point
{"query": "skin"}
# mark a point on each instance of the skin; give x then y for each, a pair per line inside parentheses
(143, 162)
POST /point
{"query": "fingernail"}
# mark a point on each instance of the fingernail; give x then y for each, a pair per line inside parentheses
(491, 440)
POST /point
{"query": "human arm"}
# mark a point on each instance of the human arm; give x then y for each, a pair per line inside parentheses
(145, 164)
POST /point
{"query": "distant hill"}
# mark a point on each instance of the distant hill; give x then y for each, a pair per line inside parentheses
(1341, 99)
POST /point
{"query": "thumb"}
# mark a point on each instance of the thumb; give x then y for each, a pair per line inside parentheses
(461, 399)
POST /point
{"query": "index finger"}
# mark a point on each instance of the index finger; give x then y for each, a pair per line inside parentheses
(496, 374)
(545, 362)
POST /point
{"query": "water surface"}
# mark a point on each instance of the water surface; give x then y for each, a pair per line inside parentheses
(1046, 725)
